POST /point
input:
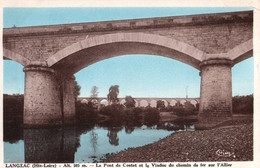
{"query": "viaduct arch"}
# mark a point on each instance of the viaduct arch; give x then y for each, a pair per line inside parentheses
(211, 43)
(150, 101)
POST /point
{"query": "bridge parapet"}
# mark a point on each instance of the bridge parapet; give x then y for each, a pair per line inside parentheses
(130, 24)
(218, 34)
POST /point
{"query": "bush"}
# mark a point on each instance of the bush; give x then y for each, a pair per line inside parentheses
(169, 108)
(85, 113)
(130, 102)
(178, 110)
(133, 117)
(160, 105)
(151, 116)
(129, 117)
(115, 112)
(181, 111)
(243, 104)
(138, 114)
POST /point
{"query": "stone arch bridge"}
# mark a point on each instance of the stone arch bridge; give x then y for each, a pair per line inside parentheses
(141, 101)
(211, 43)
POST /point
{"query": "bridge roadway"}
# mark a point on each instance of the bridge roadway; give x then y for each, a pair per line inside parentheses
(142, 101)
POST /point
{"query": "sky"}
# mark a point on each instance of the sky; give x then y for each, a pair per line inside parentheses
(136, 75)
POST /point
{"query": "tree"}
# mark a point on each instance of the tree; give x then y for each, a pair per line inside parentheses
(243, 104)
(189, 106)
(129, 102)
(113, 93)
(76, 89)
(94, 91)
(160, 104)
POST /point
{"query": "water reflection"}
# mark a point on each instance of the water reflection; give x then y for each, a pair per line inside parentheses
(13, 132)
(81, 143)
(50, 145)
(112, 135)
(129, 129)
(93, 140)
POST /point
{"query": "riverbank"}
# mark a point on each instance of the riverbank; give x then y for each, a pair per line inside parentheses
(225, 143)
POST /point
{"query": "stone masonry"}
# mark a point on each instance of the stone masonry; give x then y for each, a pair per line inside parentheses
(211, 43)
(42, 105)
(216, 89)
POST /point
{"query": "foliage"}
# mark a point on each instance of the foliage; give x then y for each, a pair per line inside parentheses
(243, 104)
(160, 105)
(130, 102)
(13, 108)
(138, 116)
(115, 113)
(85, 113)
(186, 109)
(77, 88)
(169, 108)
(188, 106)
(94, 91)
(118, 116)
(178, 110)
(151, 116)
(133, 117)
(112, 110)
(113, 93)
(178, 104)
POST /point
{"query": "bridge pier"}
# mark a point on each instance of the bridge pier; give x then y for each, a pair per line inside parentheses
(49, 98)
(42, 103)
(216, 90)
(68, 99)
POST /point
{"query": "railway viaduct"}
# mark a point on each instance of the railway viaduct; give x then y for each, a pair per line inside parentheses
(211, 43)
(142, 101)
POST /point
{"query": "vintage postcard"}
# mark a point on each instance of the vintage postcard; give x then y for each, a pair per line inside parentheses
(88, 84)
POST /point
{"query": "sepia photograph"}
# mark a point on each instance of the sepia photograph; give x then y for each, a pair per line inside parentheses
(128, 85)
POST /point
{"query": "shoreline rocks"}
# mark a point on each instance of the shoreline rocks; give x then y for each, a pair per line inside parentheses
(226, 143)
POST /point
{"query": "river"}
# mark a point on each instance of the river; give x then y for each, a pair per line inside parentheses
(80, 144)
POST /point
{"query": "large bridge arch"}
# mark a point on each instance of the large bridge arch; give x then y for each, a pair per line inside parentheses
(10, 55)
(241, 52)
(50, 66)
(94, 49)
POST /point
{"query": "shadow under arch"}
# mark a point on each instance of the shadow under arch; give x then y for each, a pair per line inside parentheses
(104, 102)
(144, 103)
(91, 50)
